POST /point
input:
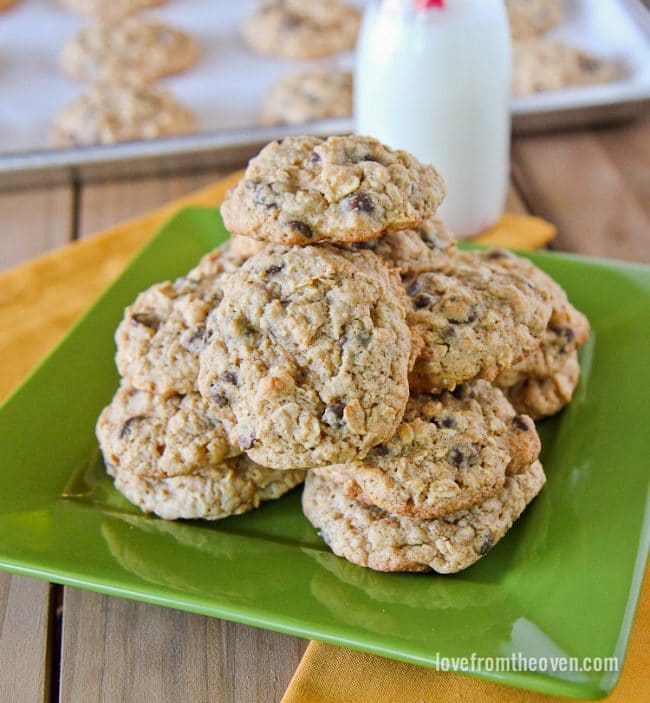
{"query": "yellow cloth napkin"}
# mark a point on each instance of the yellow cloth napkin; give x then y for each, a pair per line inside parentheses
(329, 674)
(41, 299)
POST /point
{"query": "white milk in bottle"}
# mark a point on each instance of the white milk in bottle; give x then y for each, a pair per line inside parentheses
(433, 77)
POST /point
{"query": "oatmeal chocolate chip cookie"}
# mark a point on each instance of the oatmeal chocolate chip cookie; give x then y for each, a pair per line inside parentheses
(307, 357)
(451, 452)
(373, 265)
(476, 319)
(568, 328)
(528, 18)
(101, 9)
(127, 50)
(223, 259)
(304, 97)
(543, 383)
(301, 29)
(301, 190)
(162, 332)
(541, 65)
(371, 537)
(430, 246)
(230, 488)
(149, 435)
(245, 247)
(120, 113)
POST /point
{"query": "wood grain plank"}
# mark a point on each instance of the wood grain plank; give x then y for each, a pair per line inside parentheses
(24, 639)
(515, 202)
(571, 180)
(33, 222)
(102, 205)
(629, 149)
(118, 650)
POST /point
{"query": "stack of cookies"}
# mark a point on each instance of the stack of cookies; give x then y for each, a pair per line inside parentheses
(164, 447)
(341, 335)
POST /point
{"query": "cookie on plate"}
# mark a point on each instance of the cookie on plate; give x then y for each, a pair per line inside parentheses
(301, 190)
(107, 114)
(543, 383)
(245, 247)
(568, 328)
(162, 332)
(127, 50)
(541, 65)
(476, 318)
(223, 259)
(301, 29)
(374, 538)
(6, 4)
(214, 492)
(305, 97)
(528, 18)
(307, 357)
(101, 9)
(450, 452)
(430, 246)
(150, 435)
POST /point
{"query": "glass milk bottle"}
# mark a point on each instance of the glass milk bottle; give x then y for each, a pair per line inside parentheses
(433, 77)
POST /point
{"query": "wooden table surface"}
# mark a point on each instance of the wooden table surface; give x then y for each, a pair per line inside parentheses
(60, 643)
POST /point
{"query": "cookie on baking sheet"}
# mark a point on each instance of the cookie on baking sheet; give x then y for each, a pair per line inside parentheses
(217, 491)
(540, 65)
(301, 29)
(371, 537)
(107, 114)
(307, 357)
(127, 50)
(162, 332)
(149, 435)
(450, 452)
(108, 9)
(430, 246)
(528, 18)
(476, 318)
(301, 190)
(305, 97)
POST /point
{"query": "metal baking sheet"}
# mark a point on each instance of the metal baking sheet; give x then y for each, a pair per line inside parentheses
(615, 29)
(226, 86)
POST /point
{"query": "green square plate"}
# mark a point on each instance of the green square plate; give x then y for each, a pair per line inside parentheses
(564, 582)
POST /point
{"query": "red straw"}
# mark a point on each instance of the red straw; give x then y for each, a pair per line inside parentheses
(423, 4)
